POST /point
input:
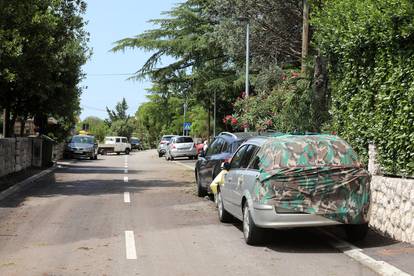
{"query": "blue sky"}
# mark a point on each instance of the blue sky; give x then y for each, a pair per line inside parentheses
(109, 21)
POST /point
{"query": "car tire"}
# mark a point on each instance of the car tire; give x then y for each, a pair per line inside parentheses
(159, 155)
(127, 151)
(223, 215)
(201, 192)
(356, 232)
(253, 235)
(118, 153)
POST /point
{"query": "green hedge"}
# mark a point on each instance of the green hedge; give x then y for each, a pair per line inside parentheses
(370, 47)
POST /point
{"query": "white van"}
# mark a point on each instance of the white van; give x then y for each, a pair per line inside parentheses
(115, 144)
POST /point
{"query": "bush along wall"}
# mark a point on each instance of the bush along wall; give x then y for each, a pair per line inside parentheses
(370, 48)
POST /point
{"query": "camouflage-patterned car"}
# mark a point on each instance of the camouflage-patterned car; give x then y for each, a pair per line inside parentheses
(295, 181)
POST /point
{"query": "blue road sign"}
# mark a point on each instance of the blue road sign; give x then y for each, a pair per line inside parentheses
(187, 126)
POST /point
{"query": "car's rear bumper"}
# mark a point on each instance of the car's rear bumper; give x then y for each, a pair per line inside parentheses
(265, 216)
(79, 154)
(183, 153)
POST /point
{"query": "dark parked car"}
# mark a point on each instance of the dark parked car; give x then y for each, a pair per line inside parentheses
(135, 144)
(81, 146)
(209, 162)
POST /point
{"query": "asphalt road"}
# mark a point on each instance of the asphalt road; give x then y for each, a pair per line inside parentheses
(138, 215)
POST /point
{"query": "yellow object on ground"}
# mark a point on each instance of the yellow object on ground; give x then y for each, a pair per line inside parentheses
(219, 180)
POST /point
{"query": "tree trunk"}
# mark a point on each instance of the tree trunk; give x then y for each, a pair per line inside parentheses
(209, 124)
(305, 35)
(22, 125)
(320, 93)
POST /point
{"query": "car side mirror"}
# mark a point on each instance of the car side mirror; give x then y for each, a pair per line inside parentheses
(225, 166)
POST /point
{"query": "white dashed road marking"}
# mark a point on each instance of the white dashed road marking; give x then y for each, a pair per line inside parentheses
(131, 253)
(127, 197)
(126, 179)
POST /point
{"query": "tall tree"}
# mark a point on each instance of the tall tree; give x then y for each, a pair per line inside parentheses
(45, 47)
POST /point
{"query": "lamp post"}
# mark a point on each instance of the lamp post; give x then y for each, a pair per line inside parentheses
(185, 110)
(215, 113)
(247, 88)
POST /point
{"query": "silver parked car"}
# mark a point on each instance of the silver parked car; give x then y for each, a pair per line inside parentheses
(181, 146)
(163, 144)
(295, 181)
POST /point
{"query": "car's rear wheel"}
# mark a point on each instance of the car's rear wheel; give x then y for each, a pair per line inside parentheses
(223, 215)
(159, 154)
(356, 232)
(201, 192)
(127, 151)
(253, 235)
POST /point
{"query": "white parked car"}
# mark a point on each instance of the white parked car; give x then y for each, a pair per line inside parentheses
(115, 144)
(181, 146)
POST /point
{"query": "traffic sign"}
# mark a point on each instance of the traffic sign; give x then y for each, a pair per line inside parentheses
(187, 126)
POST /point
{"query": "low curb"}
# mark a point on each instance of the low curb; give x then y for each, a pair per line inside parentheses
(25, 183)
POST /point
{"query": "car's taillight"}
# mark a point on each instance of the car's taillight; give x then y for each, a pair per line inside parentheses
(162, 142)
(173, 146)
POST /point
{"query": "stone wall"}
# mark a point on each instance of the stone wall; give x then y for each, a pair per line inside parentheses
(17, 154)
(7, 156)
(392, 203)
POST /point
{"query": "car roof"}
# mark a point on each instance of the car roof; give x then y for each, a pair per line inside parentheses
(236, 136)
(83, 135)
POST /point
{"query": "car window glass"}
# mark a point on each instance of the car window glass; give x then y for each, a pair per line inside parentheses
(225, 147)
(235, 145)
(124, 140)
(118, 140)
(184, 140)
(255, 161)
(215, 147)
(251, 149)
(238, 157)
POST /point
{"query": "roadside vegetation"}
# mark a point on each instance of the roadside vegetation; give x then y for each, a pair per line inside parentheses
(43, 44)
(356, 79)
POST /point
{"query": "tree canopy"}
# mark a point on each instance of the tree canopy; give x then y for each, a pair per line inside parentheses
(43, 45)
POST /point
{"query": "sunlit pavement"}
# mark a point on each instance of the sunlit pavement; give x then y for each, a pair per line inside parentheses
(138, 215)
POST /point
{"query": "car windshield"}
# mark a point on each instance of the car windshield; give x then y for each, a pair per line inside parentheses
(166, 138)
(82, 140)
(184, 140)
(134, 141)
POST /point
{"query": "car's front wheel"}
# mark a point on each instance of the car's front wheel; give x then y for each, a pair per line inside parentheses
(253, 235)
(223, 215)
(201, 192)
(356, 232)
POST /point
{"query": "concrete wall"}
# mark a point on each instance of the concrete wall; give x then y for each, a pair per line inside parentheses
(17, 154)
(392, 203)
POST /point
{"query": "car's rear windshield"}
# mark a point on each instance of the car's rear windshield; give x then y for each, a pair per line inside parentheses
(134, 141)
(184, 140)
(82, 140)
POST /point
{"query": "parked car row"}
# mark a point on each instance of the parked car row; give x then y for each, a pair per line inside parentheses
(86, 146)
(286, 181)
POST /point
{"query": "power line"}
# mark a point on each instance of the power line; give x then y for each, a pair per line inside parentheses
(110, 74)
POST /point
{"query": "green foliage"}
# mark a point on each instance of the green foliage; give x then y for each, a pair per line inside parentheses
(97, 127)
(286, 108)
(119, 123)
(370, 46)
(42, 49)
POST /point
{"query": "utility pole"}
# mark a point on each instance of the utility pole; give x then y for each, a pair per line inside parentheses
(305, 34)
(247, 62)
(185, 110)
(4, 123)
(215, 113)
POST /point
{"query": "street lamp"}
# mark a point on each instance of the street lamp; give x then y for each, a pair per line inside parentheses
(245, 19)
